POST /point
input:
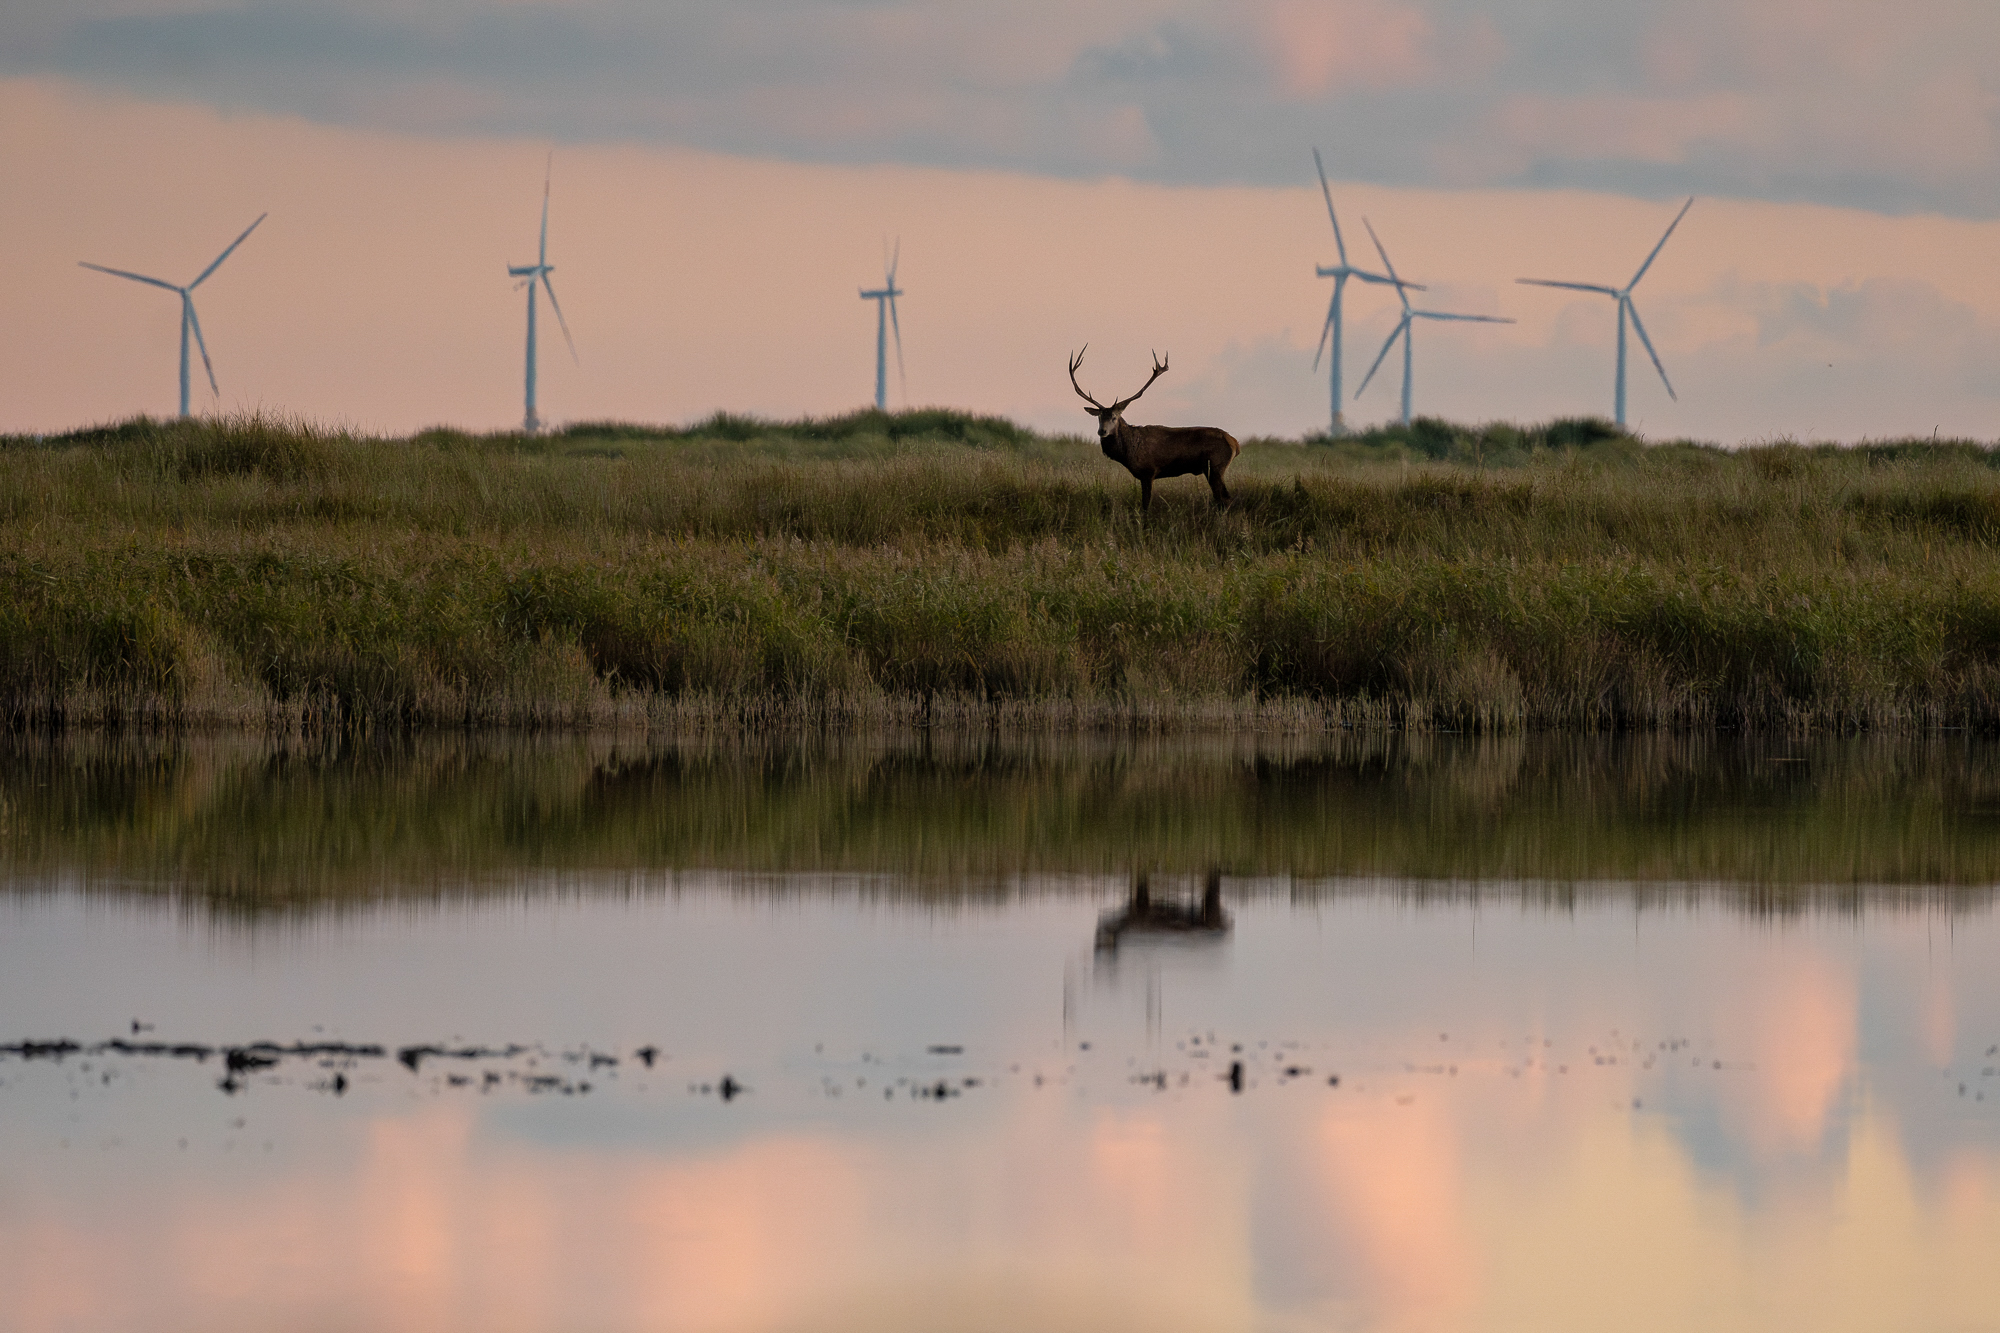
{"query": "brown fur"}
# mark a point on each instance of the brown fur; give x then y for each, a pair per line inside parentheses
(1152, 452)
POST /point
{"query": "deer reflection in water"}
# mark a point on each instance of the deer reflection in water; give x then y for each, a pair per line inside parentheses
(1146, 918)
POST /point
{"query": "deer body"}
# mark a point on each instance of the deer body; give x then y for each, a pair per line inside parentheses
(1152, 452)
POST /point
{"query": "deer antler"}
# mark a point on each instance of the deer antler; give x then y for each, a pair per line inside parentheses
(1074, 362)
(1159, 369)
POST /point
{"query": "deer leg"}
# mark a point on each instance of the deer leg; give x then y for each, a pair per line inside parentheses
(1215, 485)
(1145, 494)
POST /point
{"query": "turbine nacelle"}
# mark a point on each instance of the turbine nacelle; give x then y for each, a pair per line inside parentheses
(1345, 271)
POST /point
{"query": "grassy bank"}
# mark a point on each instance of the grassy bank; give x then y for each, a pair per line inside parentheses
(931, 566)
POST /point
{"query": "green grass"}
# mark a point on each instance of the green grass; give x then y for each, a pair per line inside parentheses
(934, 566)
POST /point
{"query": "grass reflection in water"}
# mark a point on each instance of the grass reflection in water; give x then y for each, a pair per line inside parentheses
(241, 826)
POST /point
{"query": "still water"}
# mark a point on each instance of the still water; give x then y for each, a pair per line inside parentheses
(568, 1035)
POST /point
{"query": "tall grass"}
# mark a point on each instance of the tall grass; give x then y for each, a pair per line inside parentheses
(931, 565)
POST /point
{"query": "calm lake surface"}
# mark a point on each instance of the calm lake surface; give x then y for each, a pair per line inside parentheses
(922, 1033)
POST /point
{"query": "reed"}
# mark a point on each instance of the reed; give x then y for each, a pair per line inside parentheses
(892, 568)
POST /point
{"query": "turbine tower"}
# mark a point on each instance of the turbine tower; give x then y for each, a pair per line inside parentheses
(884, 298)
(1626, 308)
(530, 274)
(1340, 273)
(188, 318)
(1402, 329)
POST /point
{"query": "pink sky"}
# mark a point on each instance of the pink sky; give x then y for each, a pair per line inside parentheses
(376, 294)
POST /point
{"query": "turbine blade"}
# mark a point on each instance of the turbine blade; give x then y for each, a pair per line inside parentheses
(1568, 286)
(206, 364)
(1401, 328)
(1661, 246)
(1332, 217)
(1326, 329)
(895, 259)
(1469, 319)
(548, 173)
(1647, 343)
(121, 273)
(226, 253)
(901, 379)
(1400, 289)
(550, 288)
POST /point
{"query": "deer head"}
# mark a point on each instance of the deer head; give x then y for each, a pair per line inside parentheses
(1109, 418)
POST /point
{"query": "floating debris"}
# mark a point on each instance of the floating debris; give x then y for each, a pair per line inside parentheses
(252, 1057)
(413, 1056)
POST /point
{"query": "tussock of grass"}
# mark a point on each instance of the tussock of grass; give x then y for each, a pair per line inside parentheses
(896, 567)
(1495, 444)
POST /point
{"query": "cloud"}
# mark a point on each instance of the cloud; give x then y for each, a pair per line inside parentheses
(699, 281)
(1840, 102)
(1267, 387)
(1318, 49)
(1875, 358)
(1639, 131)
(1906, 328)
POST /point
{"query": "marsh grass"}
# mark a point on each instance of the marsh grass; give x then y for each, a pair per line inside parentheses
(899, 569)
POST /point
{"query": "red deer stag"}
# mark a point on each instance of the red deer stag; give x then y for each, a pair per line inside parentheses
(1150, 452)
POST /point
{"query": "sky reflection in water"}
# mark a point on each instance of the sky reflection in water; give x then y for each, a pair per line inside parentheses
(1604, 1106)
(1529, 1130)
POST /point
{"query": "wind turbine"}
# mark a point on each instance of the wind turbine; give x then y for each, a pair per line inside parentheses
(188, 319)
(1402, 329)
(884, 298)
(529, 273)
(1340, 273)
(1625, 308)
